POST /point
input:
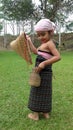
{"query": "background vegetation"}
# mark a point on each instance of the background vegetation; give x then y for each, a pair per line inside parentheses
(14, 72)
(66, 41)
(21, 16)
(14, 93)
(26, 12)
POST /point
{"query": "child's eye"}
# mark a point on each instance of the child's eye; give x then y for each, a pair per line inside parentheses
(41, 34)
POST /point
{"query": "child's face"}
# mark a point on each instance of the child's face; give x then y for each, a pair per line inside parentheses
(43, 36)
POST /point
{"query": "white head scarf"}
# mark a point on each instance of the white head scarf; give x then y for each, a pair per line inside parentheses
(44, 25)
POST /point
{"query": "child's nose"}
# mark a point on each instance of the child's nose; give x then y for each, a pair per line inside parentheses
(40, 37)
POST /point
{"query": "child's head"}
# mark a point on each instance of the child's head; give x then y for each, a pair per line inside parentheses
(44, 29)
(44, 25)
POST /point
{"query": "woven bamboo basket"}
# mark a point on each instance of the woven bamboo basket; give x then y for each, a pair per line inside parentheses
(34, 79)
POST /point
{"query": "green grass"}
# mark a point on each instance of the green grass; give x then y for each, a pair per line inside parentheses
(14, 93)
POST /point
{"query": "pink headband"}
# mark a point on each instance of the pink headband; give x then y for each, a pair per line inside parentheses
(44, 25)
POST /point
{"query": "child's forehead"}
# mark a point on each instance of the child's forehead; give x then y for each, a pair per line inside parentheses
(41, 32)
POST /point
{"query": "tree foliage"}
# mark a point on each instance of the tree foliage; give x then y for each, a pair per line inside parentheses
(53, 9)
(17, 9)
(21, 10)
(1, 27)
(24, 9)
(69, 26)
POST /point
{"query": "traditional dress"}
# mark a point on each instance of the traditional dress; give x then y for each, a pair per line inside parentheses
(40, 99)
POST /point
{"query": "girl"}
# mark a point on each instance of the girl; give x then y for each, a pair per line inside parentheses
(40, 99)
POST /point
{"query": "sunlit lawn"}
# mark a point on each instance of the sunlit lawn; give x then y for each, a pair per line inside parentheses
(14, 93)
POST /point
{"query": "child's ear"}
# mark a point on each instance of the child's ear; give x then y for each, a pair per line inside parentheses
(52, 32)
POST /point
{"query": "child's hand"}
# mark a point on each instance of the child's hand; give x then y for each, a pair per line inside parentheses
(40, 67)
(28, 38)
(33, 48)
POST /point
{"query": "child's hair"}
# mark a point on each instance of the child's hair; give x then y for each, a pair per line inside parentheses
(51, 33)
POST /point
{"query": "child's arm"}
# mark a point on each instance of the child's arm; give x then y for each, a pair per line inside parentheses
(32, 47)
(56, 57)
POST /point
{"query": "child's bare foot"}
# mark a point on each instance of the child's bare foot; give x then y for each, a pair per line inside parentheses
(33, 116)
(46, 115)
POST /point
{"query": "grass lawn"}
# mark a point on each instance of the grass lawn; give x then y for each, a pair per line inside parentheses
(14, 93)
